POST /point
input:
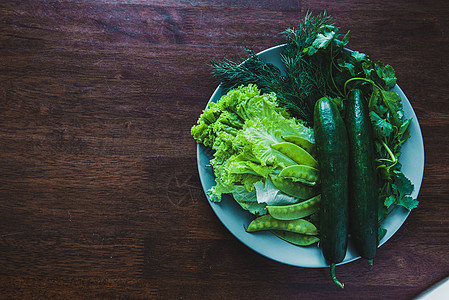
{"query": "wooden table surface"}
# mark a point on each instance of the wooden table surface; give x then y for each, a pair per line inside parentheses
(100, 195)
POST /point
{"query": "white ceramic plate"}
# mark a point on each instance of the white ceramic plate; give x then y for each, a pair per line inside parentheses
(234, 218)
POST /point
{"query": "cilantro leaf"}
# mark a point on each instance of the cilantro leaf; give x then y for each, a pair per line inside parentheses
(347, 67)
(403, 185)
(386, 74)
(408, 202)
(402, 188)
(344, 41)
(324, 38)
(402, 135)
(381, 127)
(376, 104)
(327, 34)
(390, 200)
(368, 70)
(358, 56)
(392, 101)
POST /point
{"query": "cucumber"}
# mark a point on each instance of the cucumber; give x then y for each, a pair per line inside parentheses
(332, 151)
(363, 209)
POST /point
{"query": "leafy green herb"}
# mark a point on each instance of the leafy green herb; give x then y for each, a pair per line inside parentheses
(391, 131)
(253, 70)
(382, 127)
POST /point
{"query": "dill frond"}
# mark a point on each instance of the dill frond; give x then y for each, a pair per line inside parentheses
(306, 77)
(253, 70)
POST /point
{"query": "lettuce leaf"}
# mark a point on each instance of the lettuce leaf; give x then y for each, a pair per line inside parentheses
(267, 193)
(248, 200)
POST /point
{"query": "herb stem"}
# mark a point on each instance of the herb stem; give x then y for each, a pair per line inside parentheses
(388, 213)
(360, 79)
(393, 158)
(332, 59)
(330, 71)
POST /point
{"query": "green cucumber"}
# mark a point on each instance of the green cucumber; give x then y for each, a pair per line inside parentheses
(363, 207)
(331, 142)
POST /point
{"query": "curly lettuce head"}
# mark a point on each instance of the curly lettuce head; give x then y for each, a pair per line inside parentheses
(241, 127)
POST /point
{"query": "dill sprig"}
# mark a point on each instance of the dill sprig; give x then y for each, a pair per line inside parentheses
(305, 80)
(306, 77)
(253, 70)
(303, 37)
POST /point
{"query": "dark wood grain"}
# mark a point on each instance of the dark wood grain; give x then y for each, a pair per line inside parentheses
(99, 191)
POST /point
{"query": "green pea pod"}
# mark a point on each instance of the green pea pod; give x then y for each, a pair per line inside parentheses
(267, 222)
(296, 238)
(292, 188)
(301, 142)
(295, 211)
(302, 173)
(284, 160)
(296, 153)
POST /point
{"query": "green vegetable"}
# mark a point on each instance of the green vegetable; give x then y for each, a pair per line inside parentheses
(391, 131)
(301, 173)
(301, 142)
(267, 193)
(296, 153)
(332, 149)
(296, 238)
(267, 222)
(293, 188)
(295, 211)
(363, 191)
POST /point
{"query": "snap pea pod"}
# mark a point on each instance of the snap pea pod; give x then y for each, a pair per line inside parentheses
(267, 222)
(302, 173)
(301, 142)
(294, 189)
(296, 238)
(296, 153)
(284, 160)
(295, 211)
